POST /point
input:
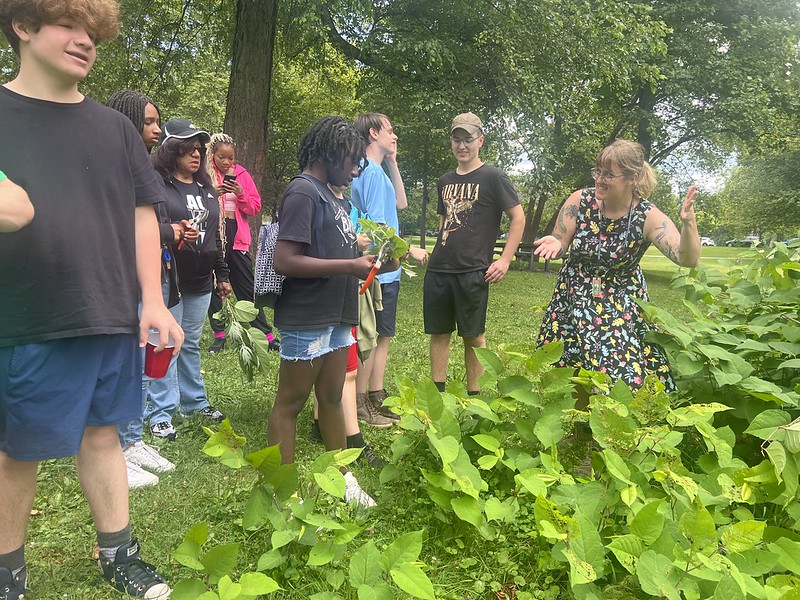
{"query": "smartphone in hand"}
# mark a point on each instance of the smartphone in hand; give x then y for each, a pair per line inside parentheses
(228, 178)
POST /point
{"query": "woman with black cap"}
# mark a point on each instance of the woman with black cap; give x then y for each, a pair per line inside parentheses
(194, 212)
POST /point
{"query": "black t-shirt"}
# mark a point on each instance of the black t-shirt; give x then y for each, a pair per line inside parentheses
(197, 261)
(472, 206)
(311, 303)
(72, 271)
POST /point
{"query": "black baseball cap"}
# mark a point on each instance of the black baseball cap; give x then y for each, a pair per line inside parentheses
(183, 129)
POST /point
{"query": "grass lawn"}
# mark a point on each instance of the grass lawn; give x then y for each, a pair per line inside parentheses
(61, 534)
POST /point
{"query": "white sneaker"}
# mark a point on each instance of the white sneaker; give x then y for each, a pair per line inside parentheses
(147, 457)
(354, 493)
(138, 477)
(164, 430)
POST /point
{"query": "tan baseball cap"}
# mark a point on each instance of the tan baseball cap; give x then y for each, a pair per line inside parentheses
(469, 122)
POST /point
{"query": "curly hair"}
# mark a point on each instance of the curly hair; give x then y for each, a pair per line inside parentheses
(165, 160)
(131, 104)
(100, 18)
(331, 140)
(629, 156)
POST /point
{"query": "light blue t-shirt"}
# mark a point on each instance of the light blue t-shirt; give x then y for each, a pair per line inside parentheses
(374, 191)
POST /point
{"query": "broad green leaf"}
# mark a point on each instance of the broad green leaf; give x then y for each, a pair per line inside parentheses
(257, 508)
(321, 553)
(777, 454)
(698, 527)
(530, 480)
(325, 596)
(365, 566)
(197, 533)
(628, 495)
(728, 589)
(697, 413)
(412, 580)
(789, 553)
(404, 549)
(742, 536)
(378, 591)
(487, 442)
(331, 481)
(488, 462)
(766, 423)
(447, 447)
(221, 560)
(188, 589)
(627, 549)
(617, 467)
(584, 540)
(505, 511)
(280, 538)
(465, 474)
(188, 554)
(244, 311)
(468, 509)
(269, 560)
(258, 583)
(657, 576)
(549, 531)
(648, 522)
(490, 361)
(580, 571)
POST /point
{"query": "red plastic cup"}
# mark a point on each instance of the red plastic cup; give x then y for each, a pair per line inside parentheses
(157, 363)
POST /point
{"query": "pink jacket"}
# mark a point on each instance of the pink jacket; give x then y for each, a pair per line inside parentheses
(248, 205)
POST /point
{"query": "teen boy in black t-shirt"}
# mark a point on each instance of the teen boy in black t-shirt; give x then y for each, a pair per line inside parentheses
(70, 366)
(472, 200)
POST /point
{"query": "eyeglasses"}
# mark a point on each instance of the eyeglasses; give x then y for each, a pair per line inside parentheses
(597, 174)
(466, 141)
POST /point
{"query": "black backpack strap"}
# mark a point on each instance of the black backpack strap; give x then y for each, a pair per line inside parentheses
(319, 214)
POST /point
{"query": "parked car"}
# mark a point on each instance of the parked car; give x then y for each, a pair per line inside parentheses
(746, 242)
(707, 241)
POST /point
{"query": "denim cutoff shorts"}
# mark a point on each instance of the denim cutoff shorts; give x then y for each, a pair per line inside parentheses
(308, 344)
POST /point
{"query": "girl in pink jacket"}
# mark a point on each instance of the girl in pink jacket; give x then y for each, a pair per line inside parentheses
(239, 200)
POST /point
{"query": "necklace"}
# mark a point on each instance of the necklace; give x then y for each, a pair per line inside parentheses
(597, 280)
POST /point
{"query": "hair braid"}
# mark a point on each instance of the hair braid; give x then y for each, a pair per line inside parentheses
(331, 140)
(217, 140)
(131, 104)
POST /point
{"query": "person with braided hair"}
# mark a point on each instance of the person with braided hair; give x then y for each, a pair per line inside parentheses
(239, 200)
(141, 458)
(318, 305)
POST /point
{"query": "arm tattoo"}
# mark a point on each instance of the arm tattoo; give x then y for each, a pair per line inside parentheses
(663, 228)
(571, 212)
(672, 253)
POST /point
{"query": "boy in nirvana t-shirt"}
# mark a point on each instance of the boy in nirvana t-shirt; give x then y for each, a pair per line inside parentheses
(70, 337)
(472, 200)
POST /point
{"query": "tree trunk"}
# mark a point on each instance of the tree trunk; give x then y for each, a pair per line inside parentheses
(647, 103)
(247, 106)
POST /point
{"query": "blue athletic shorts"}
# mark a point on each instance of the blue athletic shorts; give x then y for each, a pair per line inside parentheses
(309, 344)
(386, 319)
(51, 391)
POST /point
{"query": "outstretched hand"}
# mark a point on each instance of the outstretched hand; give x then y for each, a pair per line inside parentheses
(687, 206)
(548, 247)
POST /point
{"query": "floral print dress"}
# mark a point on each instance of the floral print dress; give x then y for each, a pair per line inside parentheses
(593, 309)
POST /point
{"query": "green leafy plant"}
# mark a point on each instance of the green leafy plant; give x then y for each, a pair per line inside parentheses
(251, 349)
(384, 236)
(304, 532)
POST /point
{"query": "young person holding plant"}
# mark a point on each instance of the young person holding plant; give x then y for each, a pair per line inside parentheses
(239, 200)
(318, 305)
(70, 336)
(194, 214)
(607, 229)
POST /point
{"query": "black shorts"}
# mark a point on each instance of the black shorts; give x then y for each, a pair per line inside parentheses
(386, 319)
(455, 299)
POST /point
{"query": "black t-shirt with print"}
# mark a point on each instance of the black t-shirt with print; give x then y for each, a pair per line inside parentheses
(472, 206)
(196, 261)
(72, 271)
(311, 303)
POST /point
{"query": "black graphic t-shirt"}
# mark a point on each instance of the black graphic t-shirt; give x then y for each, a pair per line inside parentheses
(472, 206)
(196, 261)
(314, 302)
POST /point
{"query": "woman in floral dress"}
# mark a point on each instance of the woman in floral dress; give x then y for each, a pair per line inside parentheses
(607, 229)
